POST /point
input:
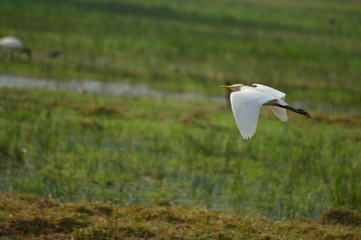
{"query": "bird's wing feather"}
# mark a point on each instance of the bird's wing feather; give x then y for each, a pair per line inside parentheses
(246, 106)
(270, 91)
(281, 113)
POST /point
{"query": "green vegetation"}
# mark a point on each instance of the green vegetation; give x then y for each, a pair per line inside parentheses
(139, 151)
(175, 155)
(30, 218)
(310, 49)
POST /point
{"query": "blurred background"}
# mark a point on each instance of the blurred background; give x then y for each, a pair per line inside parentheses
(145, 121)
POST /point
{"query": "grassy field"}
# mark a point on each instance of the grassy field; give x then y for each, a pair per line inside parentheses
(309, 49)
(145, 151)
(169, 152)
(34, 218)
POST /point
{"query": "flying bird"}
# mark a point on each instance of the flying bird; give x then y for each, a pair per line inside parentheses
(247, 101)
(13, 44)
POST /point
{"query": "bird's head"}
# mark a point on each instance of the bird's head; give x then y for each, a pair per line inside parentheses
(234, 87)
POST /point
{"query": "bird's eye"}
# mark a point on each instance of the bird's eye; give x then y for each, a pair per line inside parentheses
(254, 85)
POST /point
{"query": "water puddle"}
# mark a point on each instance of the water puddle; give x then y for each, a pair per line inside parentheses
(125, 89)
(99, 87)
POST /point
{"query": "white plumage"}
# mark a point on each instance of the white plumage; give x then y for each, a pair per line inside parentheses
(13, 44)
(281, 113)
(247, 101)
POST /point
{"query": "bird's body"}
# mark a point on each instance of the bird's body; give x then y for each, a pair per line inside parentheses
(13, 44)
(55, 54)
(247, 101)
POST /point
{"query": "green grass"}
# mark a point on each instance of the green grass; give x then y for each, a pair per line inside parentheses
(306, 48)
(152, 152)
(30, 218)
(136, 151)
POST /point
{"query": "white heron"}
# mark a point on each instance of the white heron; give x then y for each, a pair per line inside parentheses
(13, 44)
(247, 101)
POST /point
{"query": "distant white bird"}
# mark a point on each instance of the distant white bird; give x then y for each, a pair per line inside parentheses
(247, 101)
(13, 44)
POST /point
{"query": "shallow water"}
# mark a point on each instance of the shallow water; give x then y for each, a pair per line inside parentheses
(100, 87)
(124, 89)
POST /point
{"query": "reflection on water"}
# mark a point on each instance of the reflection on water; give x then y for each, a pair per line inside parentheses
(99, 87)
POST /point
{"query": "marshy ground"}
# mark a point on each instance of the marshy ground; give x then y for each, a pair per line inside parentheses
(116, 166)
(31, 217)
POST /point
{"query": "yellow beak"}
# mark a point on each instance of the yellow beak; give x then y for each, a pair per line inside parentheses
(225, 86)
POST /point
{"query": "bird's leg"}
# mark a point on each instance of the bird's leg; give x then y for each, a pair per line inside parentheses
(296, 110)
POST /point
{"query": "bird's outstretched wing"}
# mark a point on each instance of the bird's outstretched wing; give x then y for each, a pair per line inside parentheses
(281, 113)
(270, 91)
(246, 106)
